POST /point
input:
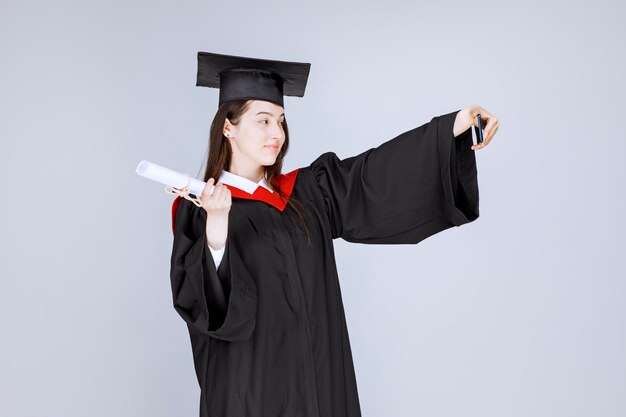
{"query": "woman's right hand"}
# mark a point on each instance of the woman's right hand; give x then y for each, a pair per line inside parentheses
(217, 206)
(217, 203)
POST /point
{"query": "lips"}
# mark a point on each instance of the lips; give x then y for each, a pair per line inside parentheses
(273, 148)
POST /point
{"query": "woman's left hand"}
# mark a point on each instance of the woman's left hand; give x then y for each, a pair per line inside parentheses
(468, 117)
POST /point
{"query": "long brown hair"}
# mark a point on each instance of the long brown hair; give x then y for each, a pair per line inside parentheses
(220, 153)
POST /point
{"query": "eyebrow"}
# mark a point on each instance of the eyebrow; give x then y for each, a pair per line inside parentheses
(266, 112)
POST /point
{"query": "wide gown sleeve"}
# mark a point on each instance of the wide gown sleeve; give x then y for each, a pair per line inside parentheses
(220, 303)
(411, 187)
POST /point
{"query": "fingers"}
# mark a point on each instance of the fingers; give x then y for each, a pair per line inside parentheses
(221, 196)
(206, 191)
(218, 191)
(490, 128)
(211, 191)
(215, 197)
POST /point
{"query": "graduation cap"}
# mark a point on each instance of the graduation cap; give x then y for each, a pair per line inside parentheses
(243, 78)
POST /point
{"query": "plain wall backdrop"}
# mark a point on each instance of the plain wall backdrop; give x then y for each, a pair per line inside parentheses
(520, 313)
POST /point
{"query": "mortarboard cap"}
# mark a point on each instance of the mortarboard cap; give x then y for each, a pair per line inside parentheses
(243, 78)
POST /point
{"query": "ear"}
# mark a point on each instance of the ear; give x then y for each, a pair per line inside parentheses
(228, 128)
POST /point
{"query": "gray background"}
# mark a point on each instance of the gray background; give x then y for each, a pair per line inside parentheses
(520, 313)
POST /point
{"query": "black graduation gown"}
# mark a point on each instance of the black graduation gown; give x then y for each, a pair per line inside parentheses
(267, 328)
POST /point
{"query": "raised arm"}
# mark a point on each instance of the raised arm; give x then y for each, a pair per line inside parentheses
(411, 187)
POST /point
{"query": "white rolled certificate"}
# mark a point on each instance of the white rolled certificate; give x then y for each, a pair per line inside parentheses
(171, 178)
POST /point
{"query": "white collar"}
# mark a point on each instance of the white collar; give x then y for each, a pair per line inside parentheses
(242, 183)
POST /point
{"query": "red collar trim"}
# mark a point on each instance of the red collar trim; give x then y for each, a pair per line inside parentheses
(284, 182)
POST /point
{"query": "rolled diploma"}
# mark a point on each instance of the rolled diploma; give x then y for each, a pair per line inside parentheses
(166, 176)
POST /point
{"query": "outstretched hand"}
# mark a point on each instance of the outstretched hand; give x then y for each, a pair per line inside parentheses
(468, 117)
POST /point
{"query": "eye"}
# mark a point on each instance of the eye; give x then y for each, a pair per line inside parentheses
(264, 120)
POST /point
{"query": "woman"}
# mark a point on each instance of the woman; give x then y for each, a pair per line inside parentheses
(253, 271)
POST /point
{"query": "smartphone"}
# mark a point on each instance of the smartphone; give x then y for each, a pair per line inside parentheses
(479, 136)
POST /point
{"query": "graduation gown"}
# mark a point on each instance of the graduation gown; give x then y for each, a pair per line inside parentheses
(267, 327)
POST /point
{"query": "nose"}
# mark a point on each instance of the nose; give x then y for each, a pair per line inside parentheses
(277, 131)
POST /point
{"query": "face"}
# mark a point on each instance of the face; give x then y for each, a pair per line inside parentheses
(259, 136)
